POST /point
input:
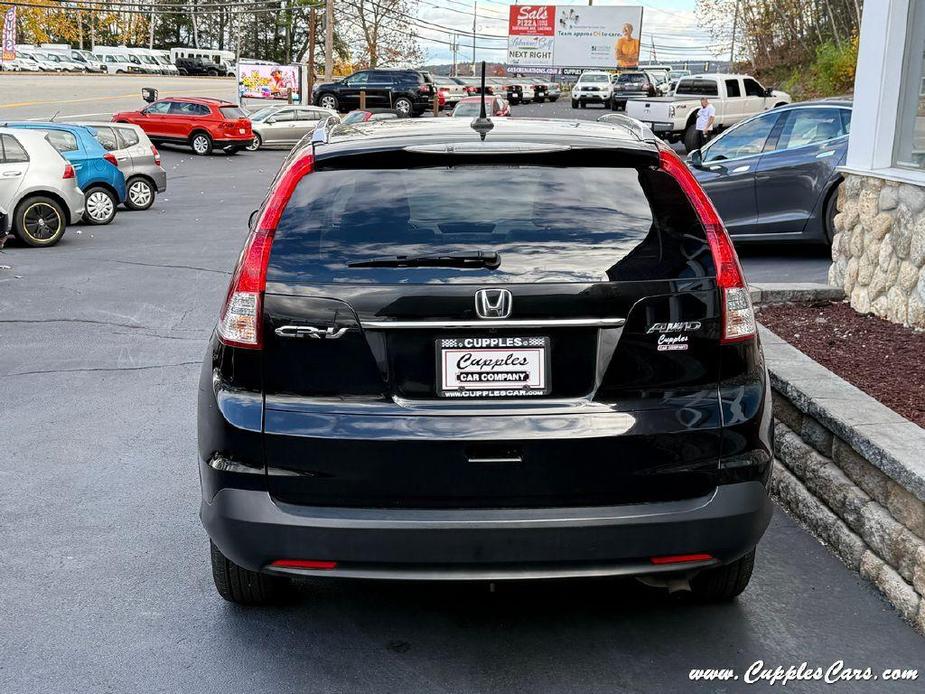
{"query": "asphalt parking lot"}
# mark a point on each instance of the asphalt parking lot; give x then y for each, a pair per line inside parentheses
(105, 575)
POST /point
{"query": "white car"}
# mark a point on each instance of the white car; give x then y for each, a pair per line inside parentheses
(593, 87)
(14, 65)
(38, 187)
(734, 97)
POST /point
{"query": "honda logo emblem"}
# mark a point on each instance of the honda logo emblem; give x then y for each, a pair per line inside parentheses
(493, 303)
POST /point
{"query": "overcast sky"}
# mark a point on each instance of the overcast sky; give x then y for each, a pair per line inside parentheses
(671, 24)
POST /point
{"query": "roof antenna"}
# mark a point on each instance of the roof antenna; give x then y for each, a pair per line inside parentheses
(482, 125)
(52, 119)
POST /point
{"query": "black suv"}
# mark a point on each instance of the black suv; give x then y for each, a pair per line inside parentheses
(632, 85)
(197, 67)
(414, 378)
(408, 91)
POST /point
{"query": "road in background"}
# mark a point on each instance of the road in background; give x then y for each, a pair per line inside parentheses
(105, 575)
(38, 97)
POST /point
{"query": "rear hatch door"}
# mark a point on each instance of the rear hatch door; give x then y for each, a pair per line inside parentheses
(582, 369)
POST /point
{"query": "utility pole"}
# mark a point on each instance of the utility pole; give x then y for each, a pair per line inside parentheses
(150, 30)
(455, 38)
(475, 12)
(732, 47)
(328, 40)
(312, 28)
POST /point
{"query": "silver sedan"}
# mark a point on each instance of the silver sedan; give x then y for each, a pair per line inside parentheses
(284, 124)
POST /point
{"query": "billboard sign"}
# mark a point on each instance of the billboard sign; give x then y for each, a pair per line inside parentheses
(256, 81)
(574, 36)
(9, 34)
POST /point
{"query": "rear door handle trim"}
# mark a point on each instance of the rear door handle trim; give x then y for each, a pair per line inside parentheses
(741, 169)
(11, 174)
(827, 153)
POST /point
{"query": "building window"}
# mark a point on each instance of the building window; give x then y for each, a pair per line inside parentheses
(910, 130)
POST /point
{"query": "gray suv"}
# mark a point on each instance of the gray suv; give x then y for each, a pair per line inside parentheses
(138, 159)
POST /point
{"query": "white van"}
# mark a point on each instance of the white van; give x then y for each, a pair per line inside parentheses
(117, 62)
(156, 59)
(41, 62)
(93, 63)
(61, 53)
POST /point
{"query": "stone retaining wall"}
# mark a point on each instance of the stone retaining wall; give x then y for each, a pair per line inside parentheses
(878, 253)
(853, 472)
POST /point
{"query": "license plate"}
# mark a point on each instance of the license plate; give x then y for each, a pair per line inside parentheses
(492, 367)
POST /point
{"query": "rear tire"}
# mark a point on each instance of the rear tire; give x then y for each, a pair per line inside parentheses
(201, 144)
(690, 138)
(553, 99)
(574, 103)
(39, 221)
(140, 194)
(242, 586)
(231, 150)
(100, 206)
(723, 583)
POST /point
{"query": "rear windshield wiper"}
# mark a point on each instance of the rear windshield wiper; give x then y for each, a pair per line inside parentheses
(473, 259)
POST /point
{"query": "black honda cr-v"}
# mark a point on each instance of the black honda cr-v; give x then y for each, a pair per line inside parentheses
(449, 352)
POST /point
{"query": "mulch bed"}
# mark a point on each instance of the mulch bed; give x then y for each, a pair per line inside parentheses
(885, 360)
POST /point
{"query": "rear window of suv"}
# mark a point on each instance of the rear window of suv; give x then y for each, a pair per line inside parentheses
(232, 112)
(563, 224)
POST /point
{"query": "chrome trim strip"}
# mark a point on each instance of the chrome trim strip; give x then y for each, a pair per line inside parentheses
(489, 323)
(515, 459)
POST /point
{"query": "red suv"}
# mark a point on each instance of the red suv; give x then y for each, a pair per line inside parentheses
(201, 123)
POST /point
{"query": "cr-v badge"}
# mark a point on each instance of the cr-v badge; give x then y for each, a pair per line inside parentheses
(310, 331)
(493, 303)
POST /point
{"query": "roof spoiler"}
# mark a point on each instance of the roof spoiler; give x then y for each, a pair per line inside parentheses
(322, 132)
(640, 130)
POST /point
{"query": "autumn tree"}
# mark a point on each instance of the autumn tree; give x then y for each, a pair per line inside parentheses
(381, 31)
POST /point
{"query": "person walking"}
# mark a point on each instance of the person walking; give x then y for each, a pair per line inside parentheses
(706, 118)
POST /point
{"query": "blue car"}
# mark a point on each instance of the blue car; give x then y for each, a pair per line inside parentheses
(97, 170)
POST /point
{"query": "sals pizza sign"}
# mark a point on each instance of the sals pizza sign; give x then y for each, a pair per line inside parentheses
(532, 20)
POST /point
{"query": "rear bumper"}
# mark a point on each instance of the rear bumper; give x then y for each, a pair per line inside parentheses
(253, 530)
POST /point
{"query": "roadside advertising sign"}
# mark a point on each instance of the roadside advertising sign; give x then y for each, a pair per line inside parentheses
(574, 36)
(9, 34)
(256, 81)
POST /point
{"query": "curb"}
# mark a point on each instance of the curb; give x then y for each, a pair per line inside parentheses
(780, 292)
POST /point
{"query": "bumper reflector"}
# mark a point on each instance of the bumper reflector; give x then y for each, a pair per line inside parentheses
(680, 558)
(303, 564)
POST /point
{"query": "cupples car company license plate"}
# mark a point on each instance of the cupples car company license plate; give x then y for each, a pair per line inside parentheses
(492, 367)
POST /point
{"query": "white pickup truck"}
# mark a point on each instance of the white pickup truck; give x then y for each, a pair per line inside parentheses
(735, 97)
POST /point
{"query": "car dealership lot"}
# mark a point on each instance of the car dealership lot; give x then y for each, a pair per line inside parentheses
(105, 570)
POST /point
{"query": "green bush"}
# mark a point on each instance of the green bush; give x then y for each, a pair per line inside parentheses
(833, 69)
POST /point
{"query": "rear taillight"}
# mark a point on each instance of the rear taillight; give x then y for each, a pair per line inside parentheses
(157, 155)
(69, 171)
(111, 158)
(239, 322)
(424, 88)
(738, 315)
